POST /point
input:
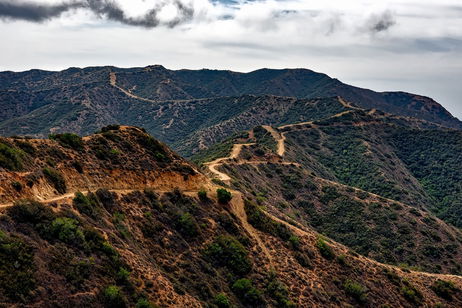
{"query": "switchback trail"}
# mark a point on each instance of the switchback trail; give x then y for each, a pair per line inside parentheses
(213, 165)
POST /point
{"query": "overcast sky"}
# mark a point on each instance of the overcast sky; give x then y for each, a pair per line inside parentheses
(407, 45)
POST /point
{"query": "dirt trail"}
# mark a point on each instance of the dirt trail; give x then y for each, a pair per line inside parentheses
(279, 138)
(347, 104)
(238, 209)
(113, 82)
(235, 151)
(71, 195)
(295, 124)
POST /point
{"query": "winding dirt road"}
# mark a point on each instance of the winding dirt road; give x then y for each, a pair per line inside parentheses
(213, 165)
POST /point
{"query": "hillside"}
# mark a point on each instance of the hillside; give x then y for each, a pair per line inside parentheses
(369, 180)
(189, 110)
(151, 230)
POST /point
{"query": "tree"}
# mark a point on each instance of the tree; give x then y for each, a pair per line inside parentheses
(223, 196)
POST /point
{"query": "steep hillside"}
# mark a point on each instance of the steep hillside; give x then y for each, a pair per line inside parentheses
(207, 103)
(151, 231)
(392, 158)
(346, 176)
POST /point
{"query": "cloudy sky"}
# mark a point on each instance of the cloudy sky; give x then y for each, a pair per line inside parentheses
(409, 45)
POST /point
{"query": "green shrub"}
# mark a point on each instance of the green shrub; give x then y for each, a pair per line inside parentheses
(86, 204)
(113, 297)
(411, 294)
(11, 158)
(324, 249)
(202, 194)
(104, 152)
(222, 301)
(17, 186)
(229, 252)
(69, 140)
(294, 242)
(118, 221)
(246, 292)
(123, 276)
(56, 179)
(67, 230)
(341, 259)
(144, 303)
(187, 225)
(26, 146)
(262, 222)
(16, 267)
(330, 193)
(444, 289)
(30, 211)
(77, 272)
(223, 196)
(110, 251)
(153, 147)
(278, 291)
(355, 290)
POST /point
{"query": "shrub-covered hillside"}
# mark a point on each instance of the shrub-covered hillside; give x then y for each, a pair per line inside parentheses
(125, 222)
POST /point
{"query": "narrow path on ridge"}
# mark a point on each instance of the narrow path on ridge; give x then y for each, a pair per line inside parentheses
(278, 137)
(113, 82)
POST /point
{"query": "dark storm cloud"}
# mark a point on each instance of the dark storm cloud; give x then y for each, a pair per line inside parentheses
(34, 12)
(110, 10)
(382, 22)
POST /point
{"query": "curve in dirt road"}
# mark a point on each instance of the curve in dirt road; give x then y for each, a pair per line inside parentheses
(235, 152)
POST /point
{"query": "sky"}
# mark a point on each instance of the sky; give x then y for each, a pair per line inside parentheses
(399, 45)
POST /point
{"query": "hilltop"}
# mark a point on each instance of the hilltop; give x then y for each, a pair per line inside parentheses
(118, 219)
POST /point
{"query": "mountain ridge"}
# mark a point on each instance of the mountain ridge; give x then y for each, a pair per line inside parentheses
(63, 97)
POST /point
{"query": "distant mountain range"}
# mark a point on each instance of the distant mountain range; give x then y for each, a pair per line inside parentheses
(190, 110)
